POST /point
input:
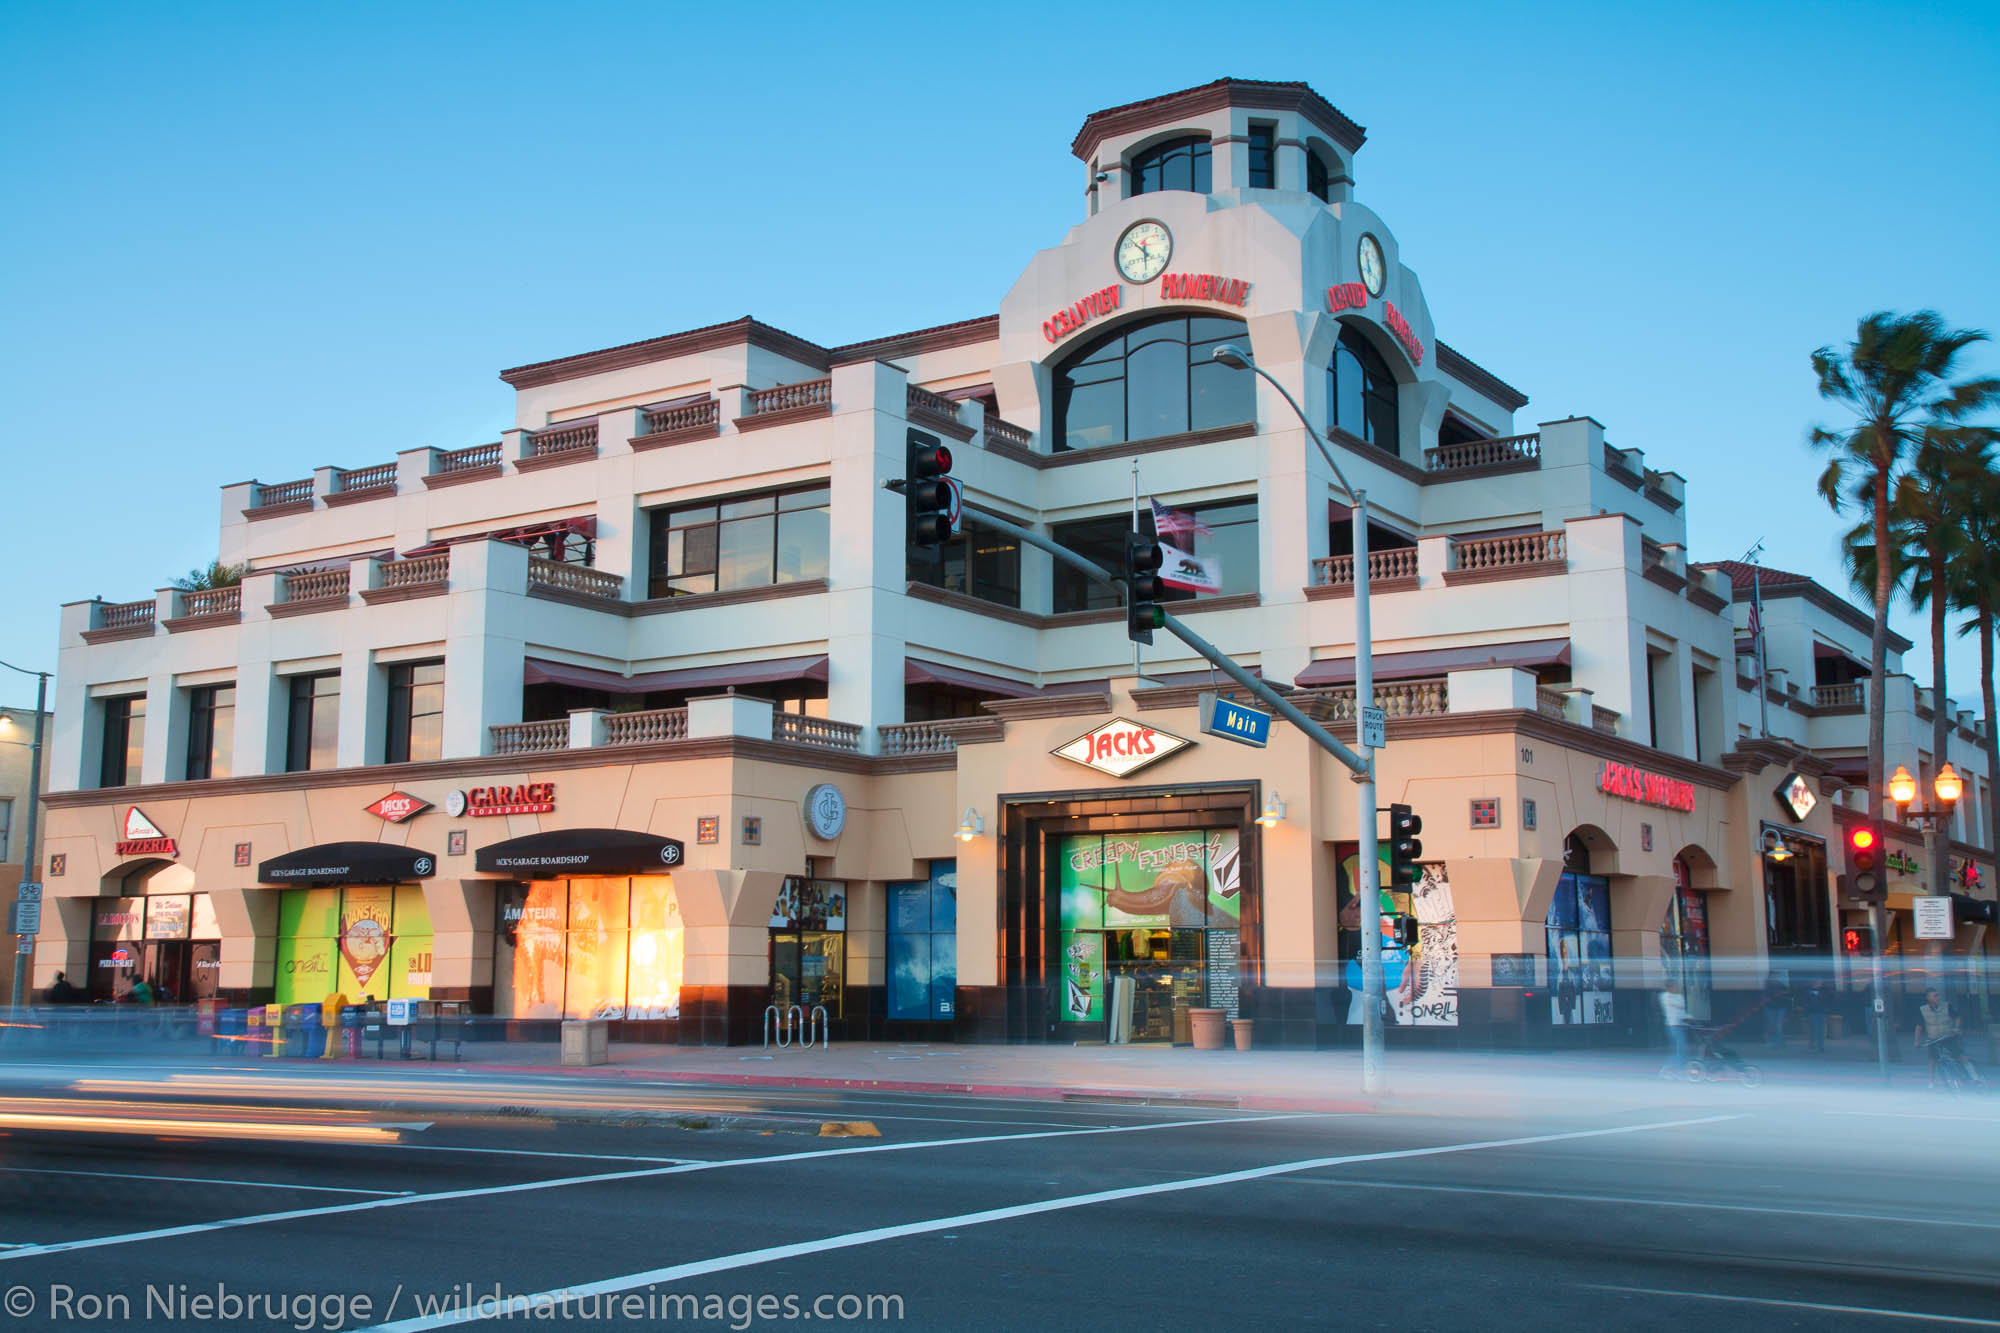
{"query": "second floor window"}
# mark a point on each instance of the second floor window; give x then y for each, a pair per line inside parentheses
(211, 731)
(980, 562)
(1317, 182)
(751, 541)
(1263, 154)
(1363, 393)
(124, 740)
(1152, 379)
(312, 737)
(1178, 164)
(416, 713)
(1231, 538)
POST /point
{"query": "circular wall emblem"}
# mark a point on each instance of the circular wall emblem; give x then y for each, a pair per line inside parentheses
(421, 866)
(454, 803)
(671, 854)
(826, 811)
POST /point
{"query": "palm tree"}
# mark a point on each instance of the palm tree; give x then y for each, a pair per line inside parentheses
(217, 575)
(1895, 377)
(1975, 576)
(1931, 509)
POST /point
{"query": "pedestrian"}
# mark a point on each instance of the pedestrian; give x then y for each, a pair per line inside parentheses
(1937, 1027)
(141, 993)
(1673, 1007)
(1816, 1009)
(1776, 1000)
(62, 992)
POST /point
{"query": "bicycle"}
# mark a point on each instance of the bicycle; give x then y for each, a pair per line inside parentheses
(1955, 1071)
(1714, 1061)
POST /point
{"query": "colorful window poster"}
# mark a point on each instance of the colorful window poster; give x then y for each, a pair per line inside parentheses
(1578, 927)
(658, 948)
(1420, 985)
(1083, 976)
(1120, 881)
(366, 920)
(309, 914)
(410, 948)
(922, 917)
(305, 970)
(528, 963)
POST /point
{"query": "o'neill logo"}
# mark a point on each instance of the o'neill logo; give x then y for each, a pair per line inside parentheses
(142, 837)
(1636, 784)
(1121, 747)
(397, 806)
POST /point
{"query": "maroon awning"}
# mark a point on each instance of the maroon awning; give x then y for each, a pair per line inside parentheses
(583, 525)
(916, 672)
(1437, 661)
(723, 676)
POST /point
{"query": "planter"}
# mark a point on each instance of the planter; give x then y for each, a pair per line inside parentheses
(1207, 1028)
(1241, 1029)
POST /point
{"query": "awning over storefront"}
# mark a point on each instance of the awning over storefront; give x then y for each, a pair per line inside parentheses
(349, 863)
(583, 525)
(582, 851)
(1437, 661)
(916, 672)
(719, 677)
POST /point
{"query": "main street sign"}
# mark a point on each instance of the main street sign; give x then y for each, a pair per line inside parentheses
(1233, 721)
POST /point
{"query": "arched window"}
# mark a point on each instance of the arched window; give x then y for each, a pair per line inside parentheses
(1316, 177)
(1363, 393)
(1178, 164)
(1151, 379)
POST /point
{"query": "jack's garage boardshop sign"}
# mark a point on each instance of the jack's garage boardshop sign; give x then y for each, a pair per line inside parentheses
(530, 798)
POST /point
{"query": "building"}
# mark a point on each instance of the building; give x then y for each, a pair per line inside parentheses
(17, 740)
(646, 710)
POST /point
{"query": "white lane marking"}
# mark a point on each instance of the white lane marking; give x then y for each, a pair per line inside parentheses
(776, 1253)
(193, 1180)
(295, 1214)
(1809, 1305)
(529, 1152)
(1913, 1115)
(1338, 1183)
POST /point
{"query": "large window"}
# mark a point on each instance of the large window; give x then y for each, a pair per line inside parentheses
(312, 736)
(589, 948)
(1230, 538)
(124, 740)
(7, 829)
(980, 561)
(1363, 393)
(1578, 932)
(416, 712)
(923, 946)
(211, 731)
(1178, 164)
(1152, 379)
(1263, 171)
(752, 541)
(1316, 176)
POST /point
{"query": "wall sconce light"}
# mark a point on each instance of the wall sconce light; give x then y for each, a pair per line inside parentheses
(1775, 848)
(1274, 811)
(971, 826)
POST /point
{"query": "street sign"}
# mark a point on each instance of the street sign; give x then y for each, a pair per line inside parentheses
(27, 918)
(25, 945)
(1933, 917)
(28, 892)
(1233, 721)
(1374, 727)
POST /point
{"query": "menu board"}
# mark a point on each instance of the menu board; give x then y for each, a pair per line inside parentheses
(1225, 955)
(167, 916)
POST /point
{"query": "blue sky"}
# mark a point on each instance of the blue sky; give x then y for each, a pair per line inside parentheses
(248, 240)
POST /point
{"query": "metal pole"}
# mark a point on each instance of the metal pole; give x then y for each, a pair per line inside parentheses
(1135, 527)
(1757, 609)
(28, 862)
(1877, 920)
(1370, 874)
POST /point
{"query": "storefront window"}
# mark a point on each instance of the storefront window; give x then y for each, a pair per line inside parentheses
(809, 945)
(923, 945)
(1578, 930)
(171, 940)
(1684, 944)
(364, 940)
(589, 948)
(1150, 927)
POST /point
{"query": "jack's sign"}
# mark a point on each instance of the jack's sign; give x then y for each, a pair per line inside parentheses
(1121, 747)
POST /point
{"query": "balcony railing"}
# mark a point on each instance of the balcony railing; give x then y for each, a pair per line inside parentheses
(1006, 432)
(821, 732)
(312, 585)
(213, 601)
(1527, 548)
(1426, 696)
(1837, 696)
(580, 580)
(935, 737)
(1551, 703)
(1507, 449)
(530, 737)
(283, 493)
(1396, 563)
(645, 728)
(936, 404)
(1604, 719)
(418, 569)
(126, 615)
(381, 477)
(806, 393)
(683, 416)
(565, 439)
(465, 460)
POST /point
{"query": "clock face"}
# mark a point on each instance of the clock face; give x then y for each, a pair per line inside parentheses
(1374, 270)
(1143, 251)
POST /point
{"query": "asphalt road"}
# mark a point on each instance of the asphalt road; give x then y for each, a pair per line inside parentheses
(127, 1200)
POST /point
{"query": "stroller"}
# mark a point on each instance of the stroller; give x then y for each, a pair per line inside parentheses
(1714, 1059)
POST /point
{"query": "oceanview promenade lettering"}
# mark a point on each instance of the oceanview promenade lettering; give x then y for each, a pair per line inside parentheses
(1075, 315)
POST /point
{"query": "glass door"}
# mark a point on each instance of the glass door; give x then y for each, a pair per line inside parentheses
(809, 968)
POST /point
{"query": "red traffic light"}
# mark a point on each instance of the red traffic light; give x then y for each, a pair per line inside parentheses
(1863, 839)
(1855, 940)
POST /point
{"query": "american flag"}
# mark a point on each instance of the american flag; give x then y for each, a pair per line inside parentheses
(1177, 522)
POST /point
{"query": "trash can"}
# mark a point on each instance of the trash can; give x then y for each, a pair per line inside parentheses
(1206, 1025)
(298, 1041)
(586, 1042)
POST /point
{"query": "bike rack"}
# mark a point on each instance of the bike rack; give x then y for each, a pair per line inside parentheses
(793, 1024)
(816, 1018)
(781, 1023)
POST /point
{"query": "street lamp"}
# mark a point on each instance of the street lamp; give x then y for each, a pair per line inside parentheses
(28, 862)
(1947, 786)
(1370, 870)
(1775, 848)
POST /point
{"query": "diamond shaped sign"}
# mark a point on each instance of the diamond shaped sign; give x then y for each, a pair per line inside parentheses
(397, 806)
(1121, 747)
(1797, 795)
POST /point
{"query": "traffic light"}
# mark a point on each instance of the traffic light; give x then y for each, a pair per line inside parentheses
(1404, 936)
(1965, 908)
(1142, 587)
(1855, 942)
(930, 497)
(1864, 861)
(1404, 849)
